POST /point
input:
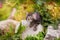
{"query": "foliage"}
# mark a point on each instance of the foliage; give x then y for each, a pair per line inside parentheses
(4, 12)
(47, 19)
(39, 36)
(57, 39)
(39, 6)
(43, 12)
(3, 1)
(7, 7)
(15, 3)
(10, 36)
(21, 28)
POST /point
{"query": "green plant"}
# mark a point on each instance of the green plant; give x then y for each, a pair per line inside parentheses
(45, 13)
(20, 29)
(57, 39)
(39, 36)
(10, 36)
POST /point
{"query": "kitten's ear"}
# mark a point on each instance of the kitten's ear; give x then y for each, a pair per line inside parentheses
(36, 15)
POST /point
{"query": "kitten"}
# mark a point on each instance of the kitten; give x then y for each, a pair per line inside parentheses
(35, 19)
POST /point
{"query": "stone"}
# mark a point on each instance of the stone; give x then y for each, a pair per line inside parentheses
(52, 33)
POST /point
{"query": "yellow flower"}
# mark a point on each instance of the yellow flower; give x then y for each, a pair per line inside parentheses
(21, 12)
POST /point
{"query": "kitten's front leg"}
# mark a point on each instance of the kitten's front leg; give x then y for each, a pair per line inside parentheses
(35, 27)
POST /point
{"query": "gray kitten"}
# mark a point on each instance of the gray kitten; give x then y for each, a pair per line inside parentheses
(35, 19)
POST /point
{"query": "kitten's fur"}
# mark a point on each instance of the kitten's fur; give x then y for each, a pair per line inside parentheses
(35, 19)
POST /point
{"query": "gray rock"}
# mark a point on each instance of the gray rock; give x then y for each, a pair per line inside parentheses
(52, 33)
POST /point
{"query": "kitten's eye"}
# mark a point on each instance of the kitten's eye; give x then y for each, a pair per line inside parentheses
(29, 18)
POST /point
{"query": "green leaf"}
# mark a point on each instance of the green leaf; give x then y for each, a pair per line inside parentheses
(21, 28)
(39, 36)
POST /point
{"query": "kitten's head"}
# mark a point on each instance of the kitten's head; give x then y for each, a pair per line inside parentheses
(36, 16)
(33, 16)
(29, 17)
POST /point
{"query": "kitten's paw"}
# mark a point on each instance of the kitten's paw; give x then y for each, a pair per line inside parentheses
(34, 28)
